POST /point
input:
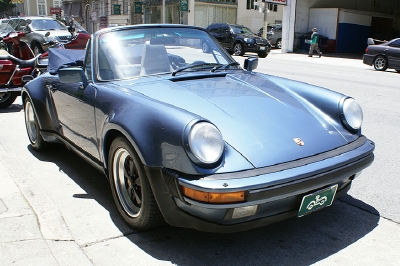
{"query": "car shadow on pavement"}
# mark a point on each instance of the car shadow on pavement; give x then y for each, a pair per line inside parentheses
(14, 108)
(299, 241)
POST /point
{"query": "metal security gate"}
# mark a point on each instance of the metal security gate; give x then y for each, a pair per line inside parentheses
(204, 15)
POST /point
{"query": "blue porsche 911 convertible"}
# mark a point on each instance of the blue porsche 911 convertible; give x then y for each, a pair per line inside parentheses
(192, 138)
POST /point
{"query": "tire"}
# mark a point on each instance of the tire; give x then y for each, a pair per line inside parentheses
(205, 47)
(238, 49)
(278, 44)
(33, 128)
(7, 98)
(380, 63)
(131, 188)
(262, 55)
(37, 49)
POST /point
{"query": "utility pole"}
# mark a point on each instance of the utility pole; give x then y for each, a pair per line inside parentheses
(263, 8)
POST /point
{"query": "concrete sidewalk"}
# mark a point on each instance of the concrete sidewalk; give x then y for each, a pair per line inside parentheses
(24, 241)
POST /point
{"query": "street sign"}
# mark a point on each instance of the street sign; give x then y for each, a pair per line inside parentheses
(184, 5)
(55, 10)
(278, 2)
(103, 22)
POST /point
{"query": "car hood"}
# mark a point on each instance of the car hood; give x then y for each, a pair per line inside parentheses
(264, 122)
(53, 32)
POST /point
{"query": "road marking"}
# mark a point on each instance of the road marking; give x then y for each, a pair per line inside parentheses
(339, 74)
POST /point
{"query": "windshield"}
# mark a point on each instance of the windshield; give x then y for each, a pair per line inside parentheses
(138, 52)
(5, 28)
(242, 30)
(47, 24)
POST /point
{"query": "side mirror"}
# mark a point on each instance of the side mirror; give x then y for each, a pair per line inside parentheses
(25, 29)
(250, 63)
(73, 75)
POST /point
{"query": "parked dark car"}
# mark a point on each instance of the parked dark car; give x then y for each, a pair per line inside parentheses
(274, 34)
(383, 56)
(238, 39)
(192, 138)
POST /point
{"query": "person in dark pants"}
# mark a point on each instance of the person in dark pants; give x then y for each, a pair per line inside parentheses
(314, 43)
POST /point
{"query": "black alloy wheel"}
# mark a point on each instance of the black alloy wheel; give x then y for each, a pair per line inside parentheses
(131, 188)
(238, 49)
(205, 47)
(278, 44)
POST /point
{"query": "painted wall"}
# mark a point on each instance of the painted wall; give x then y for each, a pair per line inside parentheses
(325, 20)
(353, 32)
(389, 7)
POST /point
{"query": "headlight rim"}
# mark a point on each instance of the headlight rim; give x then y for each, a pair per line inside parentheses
(190, 152)
(344, 118)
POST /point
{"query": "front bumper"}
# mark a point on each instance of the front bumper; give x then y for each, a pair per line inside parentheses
(257, 48)
(277, 191)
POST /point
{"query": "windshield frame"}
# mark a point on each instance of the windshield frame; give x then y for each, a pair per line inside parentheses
(180, 42)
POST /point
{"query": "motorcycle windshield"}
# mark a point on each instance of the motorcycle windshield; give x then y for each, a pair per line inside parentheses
(5, 29)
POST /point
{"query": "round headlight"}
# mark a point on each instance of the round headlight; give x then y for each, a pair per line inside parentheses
(352, 114)
(205, 142)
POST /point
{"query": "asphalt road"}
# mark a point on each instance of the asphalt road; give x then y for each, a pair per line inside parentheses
(58, 210)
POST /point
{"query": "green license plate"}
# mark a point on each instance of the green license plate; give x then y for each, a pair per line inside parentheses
(317, 200)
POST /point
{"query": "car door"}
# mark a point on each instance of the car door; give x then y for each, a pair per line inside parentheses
(75, 109)
(226, 36)
(393, 54)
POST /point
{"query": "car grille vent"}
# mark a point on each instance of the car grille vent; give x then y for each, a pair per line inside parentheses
(64, 38)
(170, 178)
(259, 41)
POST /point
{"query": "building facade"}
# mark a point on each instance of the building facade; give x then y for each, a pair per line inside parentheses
(97, 14)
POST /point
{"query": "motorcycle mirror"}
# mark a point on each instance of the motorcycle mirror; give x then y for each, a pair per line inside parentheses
(47, 34)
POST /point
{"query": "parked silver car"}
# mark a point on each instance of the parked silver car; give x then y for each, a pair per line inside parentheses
(36, 27)
(274, 34)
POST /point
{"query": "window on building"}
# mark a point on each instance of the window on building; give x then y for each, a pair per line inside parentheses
(125, 7)
(102, 8)
(250, 4)
(56, 3)
(273, 7)
(41, 7)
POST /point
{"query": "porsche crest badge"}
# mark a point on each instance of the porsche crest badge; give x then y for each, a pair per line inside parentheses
(298, 141)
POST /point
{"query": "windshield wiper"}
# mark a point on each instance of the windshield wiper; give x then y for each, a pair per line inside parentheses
(225, 66)
(191, 66)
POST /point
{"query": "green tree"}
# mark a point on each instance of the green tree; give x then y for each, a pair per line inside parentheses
(5, 8)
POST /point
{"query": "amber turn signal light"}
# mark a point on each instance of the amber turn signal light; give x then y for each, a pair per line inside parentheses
(213, 197)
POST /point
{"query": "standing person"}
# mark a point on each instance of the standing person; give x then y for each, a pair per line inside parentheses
(314, 43)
